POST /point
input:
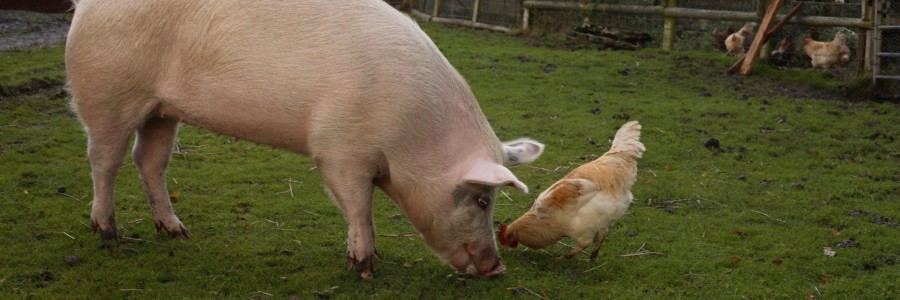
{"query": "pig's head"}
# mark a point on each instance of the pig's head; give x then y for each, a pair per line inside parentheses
(457, 222)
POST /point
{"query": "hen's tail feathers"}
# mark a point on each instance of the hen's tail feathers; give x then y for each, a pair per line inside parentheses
(628, 141)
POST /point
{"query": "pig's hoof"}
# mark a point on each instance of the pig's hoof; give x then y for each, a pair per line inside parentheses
(365, 268)
(107, 233)
(175, 231)
(498, 270)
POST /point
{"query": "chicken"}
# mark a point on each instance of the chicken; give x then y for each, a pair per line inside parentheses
(827, 54)
(734, 44)
(843, 56)
(719, 38)
(814, 35)
(583, 204)
(784, 55)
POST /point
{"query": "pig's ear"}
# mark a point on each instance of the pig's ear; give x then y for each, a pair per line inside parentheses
(493, 174)
(521, 151)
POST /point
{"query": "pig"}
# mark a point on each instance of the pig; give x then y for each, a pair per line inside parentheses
(355, 85)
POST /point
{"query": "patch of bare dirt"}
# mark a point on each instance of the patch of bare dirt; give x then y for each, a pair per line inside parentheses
(747, 86)
(24, 29)
(755, 86)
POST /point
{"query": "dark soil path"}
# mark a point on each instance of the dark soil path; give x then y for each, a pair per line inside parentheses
(24, 29)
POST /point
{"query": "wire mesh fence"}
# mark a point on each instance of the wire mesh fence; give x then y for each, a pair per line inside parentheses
(456, 9)
(736, 5)
(499, 12)
(690, 34)
(887, 74)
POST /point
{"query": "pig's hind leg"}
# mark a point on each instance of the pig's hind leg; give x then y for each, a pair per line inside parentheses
(107, 145)
(151, 154)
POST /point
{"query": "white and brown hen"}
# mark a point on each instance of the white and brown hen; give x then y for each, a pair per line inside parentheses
(734, 44)
(827, 54)
(583, 204)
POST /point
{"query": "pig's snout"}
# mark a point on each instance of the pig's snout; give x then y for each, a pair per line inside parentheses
(473, 259)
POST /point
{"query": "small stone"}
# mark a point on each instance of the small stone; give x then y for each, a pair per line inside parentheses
(72, 259)
(851, 243)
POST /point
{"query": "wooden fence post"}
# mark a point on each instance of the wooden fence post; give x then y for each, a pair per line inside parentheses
(864, 44)
(437, 8)
(475, 12)
(524, 18)
(751, 55)
(768, 35)
(668, 40)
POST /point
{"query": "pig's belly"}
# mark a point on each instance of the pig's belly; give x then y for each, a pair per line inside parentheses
(274, 126)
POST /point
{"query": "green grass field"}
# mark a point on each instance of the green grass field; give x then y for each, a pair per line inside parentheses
(749, 219)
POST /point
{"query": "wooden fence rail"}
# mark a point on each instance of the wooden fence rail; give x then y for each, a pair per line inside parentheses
(670, 12)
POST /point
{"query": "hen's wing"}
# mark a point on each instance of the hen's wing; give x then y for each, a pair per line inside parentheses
(568, 194)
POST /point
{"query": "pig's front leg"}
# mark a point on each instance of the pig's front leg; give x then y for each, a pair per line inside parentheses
(352, 190)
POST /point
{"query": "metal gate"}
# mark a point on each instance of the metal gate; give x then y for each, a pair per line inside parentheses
(886, 64)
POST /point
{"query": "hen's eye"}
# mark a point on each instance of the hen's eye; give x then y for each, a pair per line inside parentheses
(483, 202)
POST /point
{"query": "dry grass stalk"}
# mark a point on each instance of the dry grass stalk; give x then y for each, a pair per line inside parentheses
(140, 240)
(770, 217)
(642, 252)
(73, 197)
(516, 288)
(400, 235)
(594, 268)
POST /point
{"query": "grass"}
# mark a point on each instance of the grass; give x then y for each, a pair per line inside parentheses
(746, 220)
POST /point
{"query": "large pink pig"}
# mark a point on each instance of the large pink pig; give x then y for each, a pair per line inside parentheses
(356, 85)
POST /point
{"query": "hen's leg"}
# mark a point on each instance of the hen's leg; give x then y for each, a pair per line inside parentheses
(572, 253)
(601, 236)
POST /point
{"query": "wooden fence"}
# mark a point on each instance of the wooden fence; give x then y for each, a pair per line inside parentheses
(671, 11)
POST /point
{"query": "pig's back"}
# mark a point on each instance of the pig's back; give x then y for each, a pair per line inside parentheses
(267, 71)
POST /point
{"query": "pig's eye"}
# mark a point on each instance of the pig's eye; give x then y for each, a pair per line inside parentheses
(483, 201)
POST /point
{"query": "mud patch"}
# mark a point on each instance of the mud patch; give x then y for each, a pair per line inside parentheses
(33, 86)
(757, 87)
(875, 218)
(23, 29)
(42, 279)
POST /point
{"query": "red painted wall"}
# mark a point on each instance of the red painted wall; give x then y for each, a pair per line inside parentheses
(48, 6)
